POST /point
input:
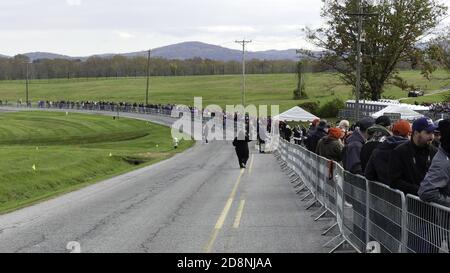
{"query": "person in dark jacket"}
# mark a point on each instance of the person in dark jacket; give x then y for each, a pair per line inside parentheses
(241, 146)
(320, 132)
(377, 134)
(351, 154)
(312, 129)
(331, 146)
(378, 165)
(288, 133)
(410, 161)
(436, 185)
(297, 135)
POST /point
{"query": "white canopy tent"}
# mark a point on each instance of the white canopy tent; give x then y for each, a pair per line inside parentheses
(405, 112)
(296, 114)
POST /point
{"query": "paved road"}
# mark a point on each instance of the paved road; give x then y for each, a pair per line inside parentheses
(198, 201)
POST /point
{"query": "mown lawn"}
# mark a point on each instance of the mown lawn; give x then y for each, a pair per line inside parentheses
(44, 154)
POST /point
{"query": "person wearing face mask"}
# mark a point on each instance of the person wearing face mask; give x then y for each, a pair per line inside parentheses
(410, 161)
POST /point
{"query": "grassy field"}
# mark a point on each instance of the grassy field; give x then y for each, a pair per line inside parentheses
(274, 89)
(69, 152)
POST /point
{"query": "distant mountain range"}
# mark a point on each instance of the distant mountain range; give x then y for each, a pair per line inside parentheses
(187, 50)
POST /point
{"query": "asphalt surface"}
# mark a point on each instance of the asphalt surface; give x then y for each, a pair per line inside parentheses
(196, 202)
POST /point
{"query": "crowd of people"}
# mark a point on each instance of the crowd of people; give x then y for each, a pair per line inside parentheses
(437, 110)
(105, 106)
(413, 158)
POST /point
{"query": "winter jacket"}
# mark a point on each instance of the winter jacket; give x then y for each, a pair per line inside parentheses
(408, 166)
(377, 135)
(436, 185)
(241, 147)
(330, 148)
(351, 154)
(314, 139)
(378, 166)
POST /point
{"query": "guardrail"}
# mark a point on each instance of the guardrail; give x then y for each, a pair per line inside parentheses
(367, 211)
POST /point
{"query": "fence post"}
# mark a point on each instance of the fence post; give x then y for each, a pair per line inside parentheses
(367, 212)
(404, 226)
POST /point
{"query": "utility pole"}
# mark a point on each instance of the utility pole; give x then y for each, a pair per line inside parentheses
(26, 84)
(360, 16)
(300, 73)
(243, 43)
(148, 76)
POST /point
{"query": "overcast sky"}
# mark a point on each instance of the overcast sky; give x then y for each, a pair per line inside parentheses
(86, 27)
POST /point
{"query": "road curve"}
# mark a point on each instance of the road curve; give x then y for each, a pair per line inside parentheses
(195, 202)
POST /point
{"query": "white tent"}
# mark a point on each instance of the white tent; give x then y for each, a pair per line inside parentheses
(296, 114)
(405, 112)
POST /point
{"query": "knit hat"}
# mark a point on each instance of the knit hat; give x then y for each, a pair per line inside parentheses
(402, 128)
(323, 124)
(383, 121)
(378, 131)
(365, 124)
(336, 133)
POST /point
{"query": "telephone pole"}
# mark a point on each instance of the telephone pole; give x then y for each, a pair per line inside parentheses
(300, 72)
(26, 83)
(360, 16)
(148, 76)
(243, 43)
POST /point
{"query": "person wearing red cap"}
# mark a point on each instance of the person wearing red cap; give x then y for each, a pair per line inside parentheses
(331, 146)
(378, 165)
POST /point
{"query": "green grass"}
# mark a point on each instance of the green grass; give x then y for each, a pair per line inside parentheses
(72, 151)
(270, 89)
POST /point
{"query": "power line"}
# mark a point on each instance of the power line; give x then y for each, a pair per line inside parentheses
(243, 43)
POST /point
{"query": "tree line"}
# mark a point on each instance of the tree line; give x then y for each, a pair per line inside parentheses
(119, 66)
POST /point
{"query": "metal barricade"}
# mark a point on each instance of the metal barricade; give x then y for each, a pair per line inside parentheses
(338, 173)
(322, 176)
(386, 217)
(427, 227)
(355, 211)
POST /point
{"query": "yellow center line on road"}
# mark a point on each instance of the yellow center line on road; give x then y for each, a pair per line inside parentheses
(251, 165)
(223, 215)
(237, 221)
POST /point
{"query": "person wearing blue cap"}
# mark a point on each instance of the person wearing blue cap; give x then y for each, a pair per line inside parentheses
(409, 162)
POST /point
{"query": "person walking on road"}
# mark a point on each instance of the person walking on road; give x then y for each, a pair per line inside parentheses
(241, 146)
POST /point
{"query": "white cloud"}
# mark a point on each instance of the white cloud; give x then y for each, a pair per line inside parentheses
(227, 29)
(125, 35)
(73, 2)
